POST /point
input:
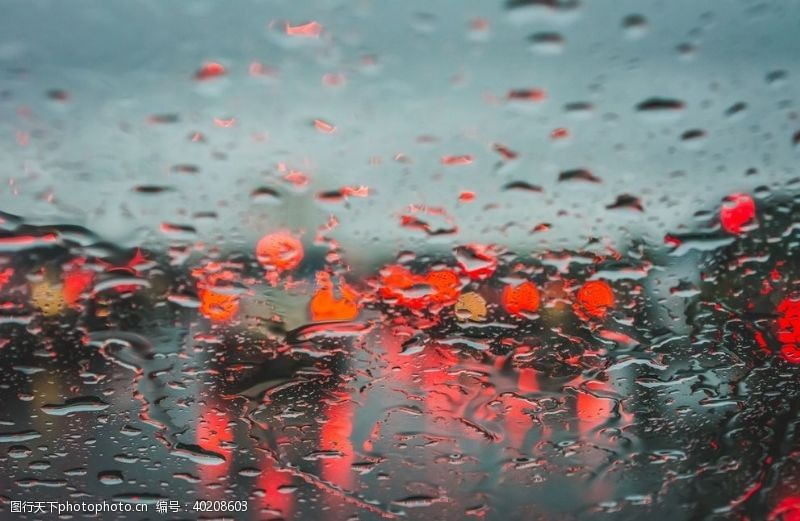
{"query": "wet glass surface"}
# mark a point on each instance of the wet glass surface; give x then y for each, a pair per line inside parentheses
(532, 259)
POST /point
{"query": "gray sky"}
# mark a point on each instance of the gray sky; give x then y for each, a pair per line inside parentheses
(411, 69)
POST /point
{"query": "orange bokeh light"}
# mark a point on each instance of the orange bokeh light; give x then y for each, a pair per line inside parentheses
(521, 299)
(326, 306)
(215, 304)
(218, 307)
(399, 284)
(594, 299)
(210, 70)
(279, 251)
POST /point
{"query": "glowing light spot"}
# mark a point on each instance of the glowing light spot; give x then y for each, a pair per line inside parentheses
(445, 284)
(521, 299)
(5, 276)
(76, 282)
(457, 160)
(436, 288)
(215, 303)
(218, 307)
(787, 510)
(279, 252)
(789, 329)
(324, 126)
(737, 210)
(48, 298)
(309, 30)
(471, 306)
(225, 123)
(466, 196)
(594, 300)
(210, 70)
(395, 276)
(394, 281)
(326, 306)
